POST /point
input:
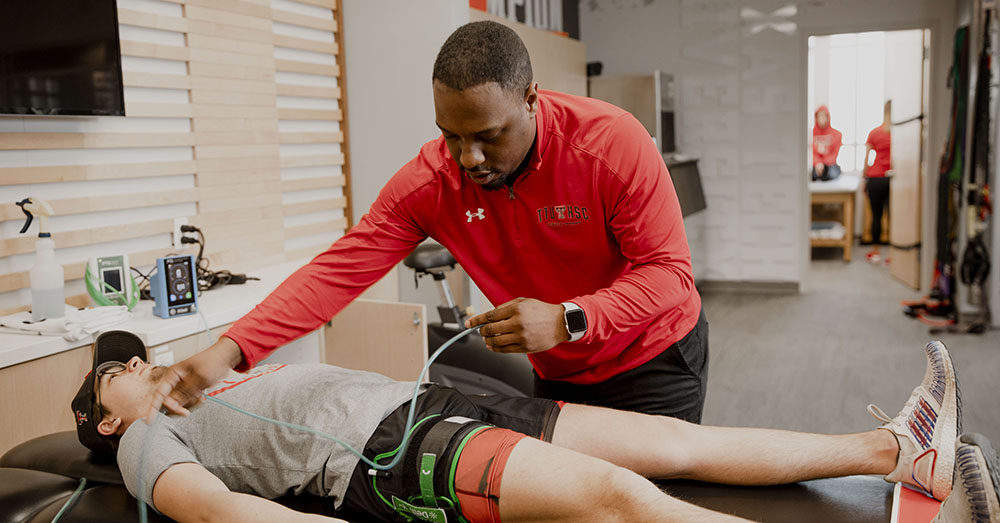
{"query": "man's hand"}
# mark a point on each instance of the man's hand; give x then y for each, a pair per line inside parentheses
(522, 325)
(820, 168)
(182, 383)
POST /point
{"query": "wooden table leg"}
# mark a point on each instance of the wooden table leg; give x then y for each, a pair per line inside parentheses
(848, 225)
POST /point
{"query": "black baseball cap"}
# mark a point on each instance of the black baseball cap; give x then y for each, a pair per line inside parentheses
(109, 346)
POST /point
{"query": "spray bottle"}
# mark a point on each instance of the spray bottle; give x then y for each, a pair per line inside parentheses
(48, 299)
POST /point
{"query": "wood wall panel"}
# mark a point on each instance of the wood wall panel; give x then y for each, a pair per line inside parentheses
(337, 137)
(202, 124)
(305, 21)
(230, 164)
(258, 48)
(309, 91)
(238, 157)
(87, 204)
(329, 4)
(26, 244)
(292, 209)
(162, 81)
(78, 173)
(155, 110)
(234, 32)
(308, 184)
(310, 114)
(152, 21)
(293, 66)
(305, 44)
(219, 16)
(242, 80)
(205, 96)
(208, 179)
(315, 228)
(148, 50)
(34, 141)
(313, 161)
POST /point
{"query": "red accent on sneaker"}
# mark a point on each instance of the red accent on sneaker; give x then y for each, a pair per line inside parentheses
(931, 475)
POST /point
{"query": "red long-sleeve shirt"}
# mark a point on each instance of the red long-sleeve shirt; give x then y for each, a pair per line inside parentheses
(880, 140)
(594, 219)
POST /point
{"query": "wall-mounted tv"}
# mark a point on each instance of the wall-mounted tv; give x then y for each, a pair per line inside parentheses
(60, 57)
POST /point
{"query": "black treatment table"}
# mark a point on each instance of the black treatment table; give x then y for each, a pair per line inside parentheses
(38, 476)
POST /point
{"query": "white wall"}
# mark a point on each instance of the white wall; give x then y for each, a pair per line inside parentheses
(742, 104)
(389, 50)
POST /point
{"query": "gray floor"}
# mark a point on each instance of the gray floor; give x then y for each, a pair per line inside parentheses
(815, 360)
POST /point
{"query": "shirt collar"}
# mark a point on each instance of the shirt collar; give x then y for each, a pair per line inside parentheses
(542, 134)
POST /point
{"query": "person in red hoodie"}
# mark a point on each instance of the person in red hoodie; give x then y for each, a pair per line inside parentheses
(826, 144)
(559, 208)
(877, 178)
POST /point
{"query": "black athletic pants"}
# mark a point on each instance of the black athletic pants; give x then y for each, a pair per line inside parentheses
(878, 196)
(671, 384)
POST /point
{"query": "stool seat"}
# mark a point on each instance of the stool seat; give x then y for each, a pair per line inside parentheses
(429, 256)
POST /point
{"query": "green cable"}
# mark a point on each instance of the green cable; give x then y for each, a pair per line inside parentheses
(400, 450)
(70, 501)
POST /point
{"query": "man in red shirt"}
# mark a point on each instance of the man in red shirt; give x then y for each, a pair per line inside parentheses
(825, 147)
(560, 208)
(877, 179)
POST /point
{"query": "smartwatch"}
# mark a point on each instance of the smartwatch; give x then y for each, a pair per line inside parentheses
(576, 320)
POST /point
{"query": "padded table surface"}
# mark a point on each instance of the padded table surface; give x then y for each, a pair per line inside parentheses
(38, 476)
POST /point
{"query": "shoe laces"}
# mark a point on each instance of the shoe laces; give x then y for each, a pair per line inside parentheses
(908, 407)
(880, 414)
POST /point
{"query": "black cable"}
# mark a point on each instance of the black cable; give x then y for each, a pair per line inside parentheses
(208, 279)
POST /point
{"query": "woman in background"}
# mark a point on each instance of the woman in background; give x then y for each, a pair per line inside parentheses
(826, 146)
(876, 179)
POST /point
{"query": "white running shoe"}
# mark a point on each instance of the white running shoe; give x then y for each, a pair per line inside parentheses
(975, 497)
(927, 427)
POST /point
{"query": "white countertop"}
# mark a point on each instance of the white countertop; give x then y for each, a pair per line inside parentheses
(847, 182)
(220, 306)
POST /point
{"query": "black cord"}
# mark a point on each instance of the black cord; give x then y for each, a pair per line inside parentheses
(143, 284)
(207, 278)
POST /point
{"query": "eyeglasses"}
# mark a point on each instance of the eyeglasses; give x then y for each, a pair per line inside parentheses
(108, 368)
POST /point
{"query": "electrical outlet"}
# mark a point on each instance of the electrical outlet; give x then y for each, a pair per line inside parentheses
(176, 237)
(163, 356)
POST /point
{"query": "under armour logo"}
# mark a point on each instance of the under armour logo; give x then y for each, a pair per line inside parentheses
(81, 418)
(478, 214)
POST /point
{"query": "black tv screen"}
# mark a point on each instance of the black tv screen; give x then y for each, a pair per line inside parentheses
(60, 57)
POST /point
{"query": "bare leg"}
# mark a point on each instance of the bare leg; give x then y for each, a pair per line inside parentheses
(663, 447)
(545, 483)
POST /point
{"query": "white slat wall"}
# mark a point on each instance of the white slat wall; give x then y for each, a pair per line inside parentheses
(234, 120)
(306, 51)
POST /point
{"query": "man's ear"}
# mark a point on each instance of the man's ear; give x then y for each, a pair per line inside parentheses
(531, 98)
(108, 426)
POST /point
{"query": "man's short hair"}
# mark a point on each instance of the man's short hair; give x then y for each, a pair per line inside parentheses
(484, 52)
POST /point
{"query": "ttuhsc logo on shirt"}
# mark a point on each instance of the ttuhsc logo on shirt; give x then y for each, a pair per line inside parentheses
(562, 215)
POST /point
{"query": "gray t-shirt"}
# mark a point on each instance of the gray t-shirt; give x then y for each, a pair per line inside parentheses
(257, 457)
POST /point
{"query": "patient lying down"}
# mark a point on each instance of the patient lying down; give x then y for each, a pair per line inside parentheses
(492, 458)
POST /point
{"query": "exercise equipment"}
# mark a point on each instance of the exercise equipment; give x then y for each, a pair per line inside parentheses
(468, 366)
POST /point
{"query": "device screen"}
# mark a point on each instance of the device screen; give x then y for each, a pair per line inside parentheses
(180, 282)
(112, 277)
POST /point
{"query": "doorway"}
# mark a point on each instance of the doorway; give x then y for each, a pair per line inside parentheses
(853, 75)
